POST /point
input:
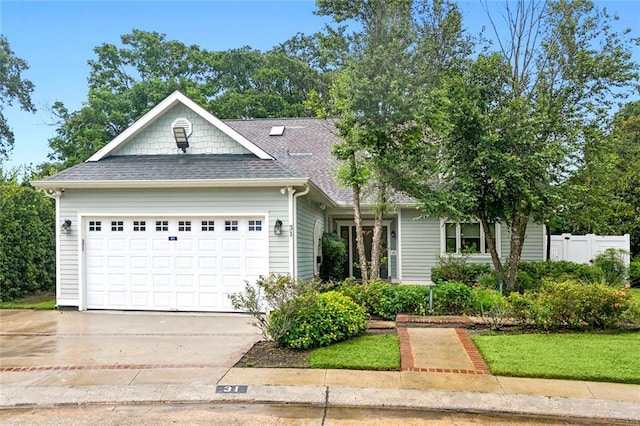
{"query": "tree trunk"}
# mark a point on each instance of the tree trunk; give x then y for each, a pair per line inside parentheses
(357, 217)
(491, 242)
(376, 246)
(518, 231)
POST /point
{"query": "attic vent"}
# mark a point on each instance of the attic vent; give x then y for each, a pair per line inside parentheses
(276, 131)
(184, 123)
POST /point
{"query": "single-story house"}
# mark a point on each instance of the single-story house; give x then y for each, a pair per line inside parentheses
(182, 208)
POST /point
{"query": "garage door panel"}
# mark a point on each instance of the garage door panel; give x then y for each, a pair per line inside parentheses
(157, 264)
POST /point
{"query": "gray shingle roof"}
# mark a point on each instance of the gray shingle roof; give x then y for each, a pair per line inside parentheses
(174, 167)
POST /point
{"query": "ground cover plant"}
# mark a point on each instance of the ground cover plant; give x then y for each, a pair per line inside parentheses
(42, 301)
(608, 357)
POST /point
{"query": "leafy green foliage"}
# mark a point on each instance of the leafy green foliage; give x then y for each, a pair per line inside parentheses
(126, 82)
(13, 88)
(455, 268)
(270, 293)
(377, 352)
(452, 298)
(334, 258)
(27, 240)
(540, 271)
(571, 304)
(318, 319)
(634, 272)
(611, 265)
(491, 306)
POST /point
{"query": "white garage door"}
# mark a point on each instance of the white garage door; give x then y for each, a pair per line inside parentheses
(171, 264)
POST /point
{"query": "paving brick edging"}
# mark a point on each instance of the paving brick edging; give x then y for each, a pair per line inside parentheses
(472, 352)
(105, 367)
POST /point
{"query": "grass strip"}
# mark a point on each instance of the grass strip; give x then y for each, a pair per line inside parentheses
(375, 352)
(604, 357)
(44, 301)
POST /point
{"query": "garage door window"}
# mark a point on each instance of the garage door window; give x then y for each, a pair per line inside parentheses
(162, 225)
(255, 225)
(117, 226)
(230, 225)
(95, 225)
(139, 225)
(208, 225)
(184, 226)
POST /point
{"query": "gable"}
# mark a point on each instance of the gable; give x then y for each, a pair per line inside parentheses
(159, 111)
(157, 138)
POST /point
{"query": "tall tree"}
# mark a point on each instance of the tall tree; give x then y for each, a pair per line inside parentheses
(13, 88)
(519, 120)
(394, 57)
(125, 82)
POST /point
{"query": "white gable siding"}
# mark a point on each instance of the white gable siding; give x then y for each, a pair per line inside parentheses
(307, 214)
(157, 138)
(200, 201)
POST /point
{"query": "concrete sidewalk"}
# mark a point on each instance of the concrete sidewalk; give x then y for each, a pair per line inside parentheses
(128, 361)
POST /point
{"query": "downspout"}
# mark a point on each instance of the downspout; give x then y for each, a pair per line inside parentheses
(293, 197)
(56, 194)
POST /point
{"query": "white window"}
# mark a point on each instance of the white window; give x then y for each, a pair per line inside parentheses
(117, 226)
(208, 225)
(184, 225)
(139, 225)
(230, 225)
(468, 237)
(162, 225)
(95, 225)
(255, 225)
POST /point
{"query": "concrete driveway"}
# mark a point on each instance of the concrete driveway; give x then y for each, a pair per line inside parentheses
(51, 348)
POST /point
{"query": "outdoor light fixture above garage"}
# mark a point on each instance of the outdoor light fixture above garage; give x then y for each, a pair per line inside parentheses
(181, 129)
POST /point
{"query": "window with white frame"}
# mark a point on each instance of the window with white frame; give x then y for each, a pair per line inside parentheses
(255, 225)
(230, 225)
(468, 237)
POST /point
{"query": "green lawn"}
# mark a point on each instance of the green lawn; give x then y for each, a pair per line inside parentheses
(44, 301)
(376, 352)
(609, 357)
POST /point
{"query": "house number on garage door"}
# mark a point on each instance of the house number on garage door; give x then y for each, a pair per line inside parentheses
(231, 389)
(173, 238)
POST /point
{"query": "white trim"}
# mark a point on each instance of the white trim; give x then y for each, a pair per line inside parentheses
(443, 239)
(82, 285)
(182, 183)
(398, 245)
(164, 106)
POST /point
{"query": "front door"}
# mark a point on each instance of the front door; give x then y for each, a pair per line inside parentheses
(348, 234)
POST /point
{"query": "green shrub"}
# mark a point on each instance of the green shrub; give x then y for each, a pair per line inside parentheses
(395, 299)
(634, 272)
(531, 275)
(318, 319)
(455, 268)
(268, 294)
(334, 258)
(523, 307)
(576, 305)
(27, 240)
(611, 265)
(491, 306)
(452, 298)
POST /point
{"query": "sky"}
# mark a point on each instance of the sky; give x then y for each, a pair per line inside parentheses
(57, 38)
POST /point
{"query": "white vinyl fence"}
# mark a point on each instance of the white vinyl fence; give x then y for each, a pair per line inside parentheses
(585, 248)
